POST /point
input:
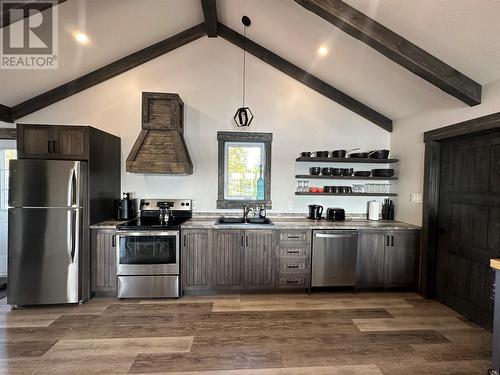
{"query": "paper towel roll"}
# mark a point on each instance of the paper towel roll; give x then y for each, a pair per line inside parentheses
(374, 209)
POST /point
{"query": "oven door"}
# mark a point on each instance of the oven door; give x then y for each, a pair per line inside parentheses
(148, 253)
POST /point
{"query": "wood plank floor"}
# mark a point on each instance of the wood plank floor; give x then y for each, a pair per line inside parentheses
(254, 334)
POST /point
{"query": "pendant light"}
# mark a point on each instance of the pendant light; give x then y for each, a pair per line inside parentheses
(244, 115)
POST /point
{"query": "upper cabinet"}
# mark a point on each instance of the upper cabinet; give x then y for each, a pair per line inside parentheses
(52, 142)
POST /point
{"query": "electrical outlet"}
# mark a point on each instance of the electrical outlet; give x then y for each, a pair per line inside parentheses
(290, 204)
(416, 198)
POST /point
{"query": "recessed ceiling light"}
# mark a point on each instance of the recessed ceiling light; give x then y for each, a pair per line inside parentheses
(322, 51)
(81, 38)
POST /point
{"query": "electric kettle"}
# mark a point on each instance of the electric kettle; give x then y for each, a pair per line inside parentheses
(315, 211)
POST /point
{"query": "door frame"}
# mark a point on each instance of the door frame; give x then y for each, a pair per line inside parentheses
(433, 141)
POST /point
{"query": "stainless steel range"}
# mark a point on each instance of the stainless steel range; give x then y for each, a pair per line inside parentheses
(148, 258)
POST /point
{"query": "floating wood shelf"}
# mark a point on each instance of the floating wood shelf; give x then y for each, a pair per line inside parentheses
(321, 177)
(350, 194)
(348, 160)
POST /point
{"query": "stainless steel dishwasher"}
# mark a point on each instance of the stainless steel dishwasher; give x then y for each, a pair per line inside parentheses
(334, 258)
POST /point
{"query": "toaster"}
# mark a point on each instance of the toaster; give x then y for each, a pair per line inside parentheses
(335, 214)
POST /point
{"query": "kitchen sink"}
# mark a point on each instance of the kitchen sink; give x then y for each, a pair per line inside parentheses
(241, 221)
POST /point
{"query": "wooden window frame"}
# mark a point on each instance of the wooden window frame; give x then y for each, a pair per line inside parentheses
(247, 137)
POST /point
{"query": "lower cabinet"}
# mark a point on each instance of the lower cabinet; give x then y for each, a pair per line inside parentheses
(227, 259)
(388, 259)
(196, 255)
(103, 262)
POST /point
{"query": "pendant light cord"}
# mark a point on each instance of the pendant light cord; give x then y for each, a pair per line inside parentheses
(244, 61)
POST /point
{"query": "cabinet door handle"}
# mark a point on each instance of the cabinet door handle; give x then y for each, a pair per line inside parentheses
(387, 240)
(392, 241)
(184, 241)
(48, 147)
(54, 146)
(247, 239)
(113, 241)
(242, 241)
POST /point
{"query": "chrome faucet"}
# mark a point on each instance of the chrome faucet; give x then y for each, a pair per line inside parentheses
(246, 211)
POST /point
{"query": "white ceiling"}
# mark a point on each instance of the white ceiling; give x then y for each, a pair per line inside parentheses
(463, 33)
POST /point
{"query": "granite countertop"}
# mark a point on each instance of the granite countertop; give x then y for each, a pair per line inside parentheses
(284, 223)
(108, 224)
(304, 223)
(495, 264)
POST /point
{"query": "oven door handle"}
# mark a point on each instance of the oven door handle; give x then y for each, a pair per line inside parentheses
(147, 233)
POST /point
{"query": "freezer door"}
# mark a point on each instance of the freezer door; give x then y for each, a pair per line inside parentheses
(47, 183)
(45, 248)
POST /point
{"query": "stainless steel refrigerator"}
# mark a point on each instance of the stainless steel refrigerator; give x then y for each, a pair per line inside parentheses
(48, 253)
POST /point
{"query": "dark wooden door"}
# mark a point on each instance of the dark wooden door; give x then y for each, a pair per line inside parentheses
(400, 258)
(260, 259)
(370, 259)
(227, 258)
(35, 141)
(196, 258)
(71, 143)
(468, 224)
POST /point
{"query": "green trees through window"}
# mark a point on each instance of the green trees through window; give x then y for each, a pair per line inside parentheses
(244, 168)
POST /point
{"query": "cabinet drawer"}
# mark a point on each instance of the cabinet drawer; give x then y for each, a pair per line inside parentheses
(294, 235)
(293, 265)
(292, 281)
(294, 251)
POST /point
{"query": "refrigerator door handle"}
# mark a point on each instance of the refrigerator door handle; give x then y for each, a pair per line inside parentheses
(72, 191)
(74, 233)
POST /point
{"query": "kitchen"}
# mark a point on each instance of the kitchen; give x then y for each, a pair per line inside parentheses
(234, 249)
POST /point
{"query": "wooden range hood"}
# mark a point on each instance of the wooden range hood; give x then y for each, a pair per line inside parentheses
(160, 147)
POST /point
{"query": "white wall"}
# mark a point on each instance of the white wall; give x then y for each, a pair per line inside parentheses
(407, 143)
(207, 75)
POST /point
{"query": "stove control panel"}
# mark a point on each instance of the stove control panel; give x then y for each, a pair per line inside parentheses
(172, 204)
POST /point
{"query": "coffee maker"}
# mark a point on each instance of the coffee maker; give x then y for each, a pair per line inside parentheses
(125, 208)
(315, 211)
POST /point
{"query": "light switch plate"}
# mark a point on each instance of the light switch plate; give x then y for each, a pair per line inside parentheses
(416, 198)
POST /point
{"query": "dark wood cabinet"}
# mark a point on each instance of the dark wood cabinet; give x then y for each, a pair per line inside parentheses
(103, 262)
(99, 149)
(370, 260)
(387, 259)
(196, 256)
(52, 142)
(227, 259)
(71, 143)
(400, 258)
(260, 259)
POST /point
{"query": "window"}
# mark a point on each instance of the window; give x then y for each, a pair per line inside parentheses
(6, 154)
(244, 169)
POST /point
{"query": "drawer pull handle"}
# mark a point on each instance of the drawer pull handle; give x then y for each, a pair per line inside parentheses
(292, 281)
(293, 237)
(292, 266)
(292, 252)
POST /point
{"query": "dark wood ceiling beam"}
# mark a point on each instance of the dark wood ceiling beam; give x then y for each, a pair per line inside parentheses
(107, 72)
(5, 113)
(210, 14)
(396, 48)
(4, 16)
(8, 133)
(304, 77)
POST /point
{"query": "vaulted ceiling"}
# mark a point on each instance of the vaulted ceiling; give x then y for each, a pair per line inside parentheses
(461, 33)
